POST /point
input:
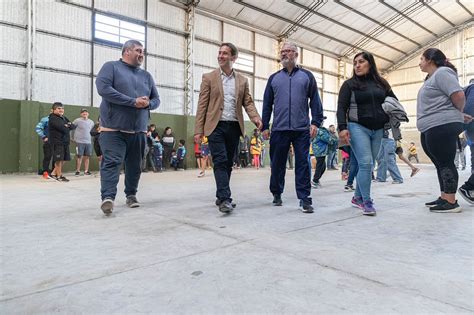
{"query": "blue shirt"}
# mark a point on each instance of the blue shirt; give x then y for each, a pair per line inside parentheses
(120, 84)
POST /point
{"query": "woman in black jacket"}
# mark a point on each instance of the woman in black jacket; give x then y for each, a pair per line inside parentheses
(361, 120)
(167, 140)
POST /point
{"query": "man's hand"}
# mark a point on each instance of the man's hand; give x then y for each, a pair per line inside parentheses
(198, 138)
(345, 136)
(258, 123)
(266, 134)
(142, 102)
(467, 118)
(313, 130)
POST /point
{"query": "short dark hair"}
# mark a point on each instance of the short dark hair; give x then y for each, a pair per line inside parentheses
(182, 141)
(129, 44)
(233, 50)
(56, 105)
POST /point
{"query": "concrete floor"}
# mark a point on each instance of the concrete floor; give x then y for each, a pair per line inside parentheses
(178, 254)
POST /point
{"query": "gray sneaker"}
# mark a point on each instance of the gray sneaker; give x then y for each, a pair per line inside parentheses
(225, 207)
(132, 202)
(107, 206)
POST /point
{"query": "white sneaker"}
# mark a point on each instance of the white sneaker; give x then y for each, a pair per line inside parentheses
(107, 206)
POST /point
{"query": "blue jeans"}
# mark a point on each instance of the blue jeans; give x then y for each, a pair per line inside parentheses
(365, 144)
(223, 142)
(332, 159)
(279, 147)
(386, 160)
(120, 148)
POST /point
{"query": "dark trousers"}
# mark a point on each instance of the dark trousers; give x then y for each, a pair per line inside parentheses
(223, 142)
(353, 168)
(279, 146)
(120, 148)
(167, 156)
(47, 155)
(439, 143)
(320, 168)
(469, 185)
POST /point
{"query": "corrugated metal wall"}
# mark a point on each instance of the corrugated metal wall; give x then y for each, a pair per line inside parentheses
(66, 60)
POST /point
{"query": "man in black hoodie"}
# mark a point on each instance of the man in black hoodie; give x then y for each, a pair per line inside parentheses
(59, 127)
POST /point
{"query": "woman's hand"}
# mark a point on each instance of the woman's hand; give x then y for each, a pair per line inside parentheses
(345, 137)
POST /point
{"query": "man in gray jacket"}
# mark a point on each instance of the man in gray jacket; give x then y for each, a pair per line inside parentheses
(128, 94)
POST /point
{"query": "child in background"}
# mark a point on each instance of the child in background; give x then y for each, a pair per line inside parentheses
(198, 156)
(204, 156)
(174, 160)
(412, 152)
(181, 153)
(256, 149)
(157, 154)
(346, 158)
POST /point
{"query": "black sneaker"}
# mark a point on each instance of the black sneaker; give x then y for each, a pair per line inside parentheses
(434, 203)
(107, 206)
(87, 173)
(305, 207)
(77, 174)
(132, 202)
(63, 179)
(225, 207)
(277, 200)
(468, 195)
(446, 207)
(218, 202)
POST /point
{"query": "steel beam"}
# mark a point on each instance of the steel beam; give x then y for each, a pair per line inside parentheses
(276, 16)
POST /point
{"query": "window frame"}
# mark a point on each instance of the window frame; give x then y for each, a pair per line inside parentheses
(120, 18)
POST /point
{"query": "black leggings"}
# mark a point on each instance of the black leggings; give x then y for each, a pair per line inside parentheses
(320, 168)
(439, 143)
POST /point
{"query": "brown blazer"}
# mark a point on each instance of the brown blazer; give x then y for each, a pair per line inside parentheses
(211, 102)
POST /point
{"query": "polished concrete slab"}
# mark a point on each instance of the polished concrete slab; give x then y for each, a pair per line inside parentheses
(178, 254)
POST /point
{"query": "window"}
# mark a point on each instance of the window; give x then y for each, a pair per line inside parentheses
(244, 62)
(117, 31)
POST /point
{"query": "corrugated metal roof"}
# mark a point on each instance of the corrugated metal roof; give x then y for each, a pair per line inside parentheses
(390, 29)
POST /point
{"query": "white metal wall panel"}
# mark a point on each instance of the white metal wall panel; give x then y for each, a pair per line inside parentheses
(166, 15)
(68, 89)
(205, 54)
(14, 11)
(330, 120)
(130, 8)
(330, 83)
(62, 53)
(311, 59)
(166, 72)
(208, 28)
(64, 19)
(103, 54)
(198, 72)
(329, 101)
(330, 64)
(349, 69)
(237, 36)
(260, 88)
(17, 47)
(172, 101)
(12, 82)
(265, 67)
(96, 97)
(266, 46)
(166, 44)
(87, 3)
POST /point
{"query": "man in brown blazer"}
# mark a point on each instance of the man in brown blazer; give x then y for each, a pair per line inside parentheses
(219, 117)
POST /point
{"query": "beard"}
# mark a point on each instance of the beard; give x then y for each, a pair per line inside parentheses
(287, 62)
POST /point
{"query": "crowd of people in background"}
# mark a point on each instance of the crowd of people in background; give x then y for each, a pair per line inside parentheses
(368, 124)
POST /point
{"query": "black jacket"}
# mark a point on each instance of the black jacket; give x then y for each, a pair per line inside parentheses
(360, 100)
(59, 128)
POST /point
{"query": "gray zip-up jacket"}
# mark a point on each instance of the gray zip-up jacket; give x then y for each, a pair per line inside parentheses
(120, 84)
(396, 114)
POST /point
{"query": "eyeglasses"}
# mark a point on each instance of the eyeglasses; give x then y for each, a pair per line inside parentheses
(286, 51)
